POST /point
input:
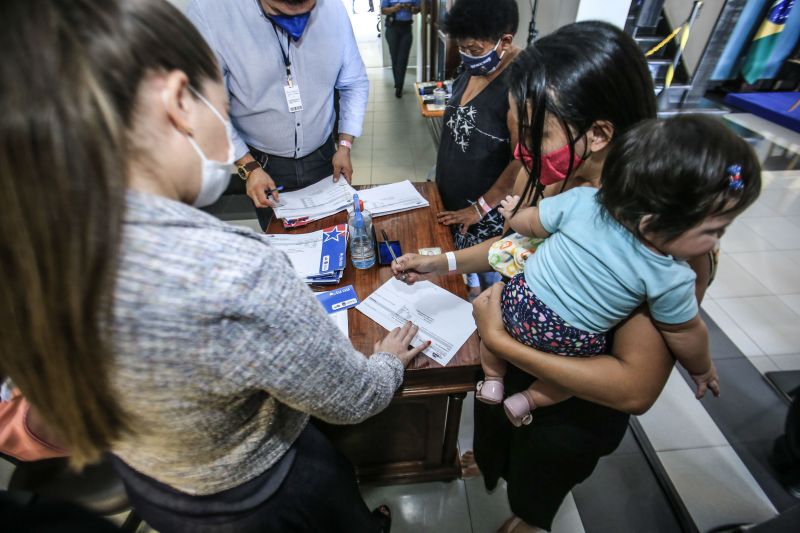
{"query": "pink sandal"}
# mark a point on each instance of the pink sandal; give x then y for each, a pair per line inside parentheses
(490, 391)
(518, 410)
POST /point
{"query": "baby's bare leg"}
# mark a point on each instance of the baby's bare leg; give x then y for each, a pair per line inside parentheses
(493, 366)
(491, 389)
(544, 393)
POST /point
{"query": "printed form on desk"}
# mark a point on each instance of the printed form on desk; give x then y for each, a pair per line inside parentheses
(392, 198)
(316, 201)
(443, 318)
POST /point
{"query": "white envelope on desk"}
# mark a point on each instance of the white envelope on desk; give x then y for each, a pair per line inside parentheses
(442, 317)
(392, 198)
(302, 249)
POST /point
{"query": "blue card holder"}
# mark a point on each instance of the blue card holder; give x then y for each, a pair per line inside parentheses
(384, 256)
(338, 299)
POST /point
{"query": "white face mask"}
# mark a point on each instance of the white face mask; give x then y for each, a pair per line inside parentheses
(216, 174)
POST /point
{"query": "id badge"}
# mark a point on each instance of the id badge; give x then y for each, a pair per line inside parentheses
(293, 98)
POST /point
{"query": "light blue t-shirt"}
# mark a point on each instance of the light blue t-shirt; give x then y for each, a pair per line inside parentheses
(404, 15)
(594, 273)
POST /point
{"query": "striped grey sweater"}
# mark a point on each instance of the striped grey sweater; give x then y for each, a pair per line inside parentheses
(221, 352)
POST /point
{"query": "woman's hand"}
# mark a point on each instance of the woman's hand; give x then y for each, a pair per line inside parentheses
(411, 268)
(488, 314)
(397, 342)
(465, 217)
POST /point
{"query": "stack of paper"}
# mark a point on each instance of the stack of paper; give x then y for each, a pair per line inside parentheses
(392, 198)
(315, 202)
(318, 257)
(443, 318)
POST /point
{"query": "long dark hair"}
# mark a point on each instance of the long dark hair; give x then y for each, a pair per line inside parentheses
(680, 171)
(582, 73)
(69, 81)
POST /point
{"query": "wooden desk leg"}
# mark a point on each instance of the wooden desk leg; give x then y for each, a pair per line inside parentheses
(452, 424)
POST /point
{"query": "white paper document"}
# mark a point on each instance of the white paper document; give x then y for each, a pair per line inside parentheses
(303, 250)
(442, 317)
(340, 319)
(316, 201)
(392, 198)
(317, 257)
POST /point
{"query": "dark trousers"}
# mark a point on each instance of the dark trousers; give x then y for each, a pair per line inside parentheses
(398, 36)
(292, 173)
(319, 494)
(542, 462)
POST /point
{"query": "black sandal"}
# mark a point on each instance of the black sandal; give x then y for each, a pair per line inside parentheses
(384, 516)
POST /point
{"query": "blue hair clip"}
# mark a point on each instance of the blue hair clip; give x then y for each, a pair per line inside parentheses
(736, 182)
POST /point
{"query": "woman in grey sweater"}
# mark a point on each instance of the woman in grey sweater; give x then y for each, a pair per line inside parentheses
(137, 323)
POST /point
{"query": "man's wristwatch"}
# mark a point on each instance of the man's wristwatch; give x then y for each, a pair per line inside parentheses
(245, 170)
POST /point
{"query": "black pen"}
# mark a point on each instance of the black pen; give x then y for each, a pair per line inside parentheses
(391, 252)
(269, 195)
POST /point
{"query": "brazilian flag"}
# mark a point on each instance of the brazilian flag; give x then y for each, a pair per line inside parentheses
(761, 62)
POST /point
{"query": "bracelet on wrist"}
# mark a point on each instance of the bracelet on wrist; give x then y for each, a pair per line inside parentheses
(451, 262)
(484, 205)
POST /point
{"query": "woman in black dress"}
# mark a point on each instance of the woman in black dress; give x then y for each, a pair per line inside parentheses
(579, 87)
(474, 167)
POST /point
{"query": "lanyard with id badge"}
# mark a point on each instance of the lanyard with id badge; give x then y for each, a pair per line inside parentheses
(291, 89)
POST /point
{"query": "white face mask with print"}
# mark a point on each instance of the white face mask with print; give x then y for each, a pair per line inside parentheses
(216, 174)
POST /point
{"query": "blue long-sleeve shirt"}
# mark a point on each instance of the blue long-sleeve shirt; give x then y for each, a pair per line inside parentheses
(404, 15)
(250, 55)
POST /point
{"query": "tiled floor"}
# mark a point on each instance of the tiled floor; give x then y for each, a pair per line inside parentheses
(756, 298)
(396, 143)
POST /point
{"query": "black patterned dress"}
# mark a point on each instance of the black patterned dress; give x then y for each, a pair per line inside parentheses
(474, 150)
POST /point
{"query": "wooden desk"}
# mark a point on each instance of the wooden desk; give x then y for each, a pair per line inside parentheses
(423, 107)
(433, 118)
(416, 437)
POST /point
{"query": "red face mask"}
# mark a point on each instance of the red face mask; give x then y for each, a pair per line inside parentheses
(554, 165)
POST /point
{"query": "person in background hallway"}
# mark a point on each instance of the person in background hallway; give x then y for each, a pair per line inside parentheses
(371, 7)
(399, 17)
(281, 61)
(474, 166)
(137, 324)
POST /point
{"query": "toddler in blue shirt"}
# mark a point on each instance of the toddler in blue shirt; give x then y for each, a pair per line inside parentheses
(669, 190)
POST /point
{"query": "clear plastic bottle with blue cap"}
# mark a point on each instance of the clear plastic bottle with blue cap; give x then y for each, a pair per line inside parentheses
(362, 243)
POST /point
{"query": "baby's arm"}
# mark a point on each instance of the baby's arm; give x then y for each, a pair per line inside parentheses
(688, 342)
(526, 221)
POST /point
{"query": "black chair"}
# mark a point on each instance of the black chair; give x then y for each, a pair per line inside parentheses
(97, 487)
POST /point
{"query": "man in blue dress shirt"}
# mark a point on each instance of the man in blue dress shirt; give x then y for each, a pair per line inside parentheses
(281, 61)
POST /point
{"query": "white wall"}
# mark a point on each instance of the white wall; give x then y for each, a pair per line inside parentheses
(612, 11)
(550, 15)
(678, 11)
(180, 3)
